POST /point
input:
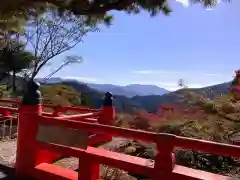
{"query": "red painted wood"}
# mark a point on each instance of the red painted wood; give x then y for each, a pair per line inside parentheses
(69, 108)
(98, 138)
(208, 146)
(6, 113)
(165, 160)
(79, 116)
(47, 171)
(59, 108)
(101, 156)
(26, 141)
(46, 156)
(165, 139)
(39, 152)
(101, 129)
(130, 163)
(28, 155)
(57, 111)
(9, 101)
(107, 115)
(90, 120)
(48, 114)
(184, 173)
(187, 143)
(88, 169)
(13, 110)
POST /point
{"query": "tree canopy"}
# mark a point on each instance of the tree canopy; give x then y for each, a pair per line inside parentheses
(55, 26)
(13, 59)
(96, 7)
(50, 35)
(14, 13)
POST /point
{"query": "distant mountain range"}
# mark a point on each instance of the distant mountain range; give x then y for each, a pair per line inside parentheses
(127, 102)
(151, 103)
(128, 91)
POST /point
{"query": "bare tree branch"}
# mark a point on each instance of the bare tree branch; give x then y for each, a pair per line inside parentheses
(69, 60)
(50, 35)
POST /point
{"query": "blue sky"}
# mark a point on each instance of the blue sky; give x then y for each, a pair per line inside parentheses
(201, 46)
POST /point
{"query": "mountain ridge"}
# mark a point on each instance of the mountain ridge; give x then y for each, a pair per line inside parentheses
(150, 103)
(130, 90)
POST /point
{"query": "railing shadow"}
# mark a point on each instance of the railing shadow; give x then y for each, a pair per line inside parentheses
(8, 173)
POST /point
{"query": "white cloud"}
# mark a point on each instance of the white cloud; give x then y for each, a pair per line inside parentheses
(208, 9)
(172, 89)
(83, 79)
(212, 74)
(169, 85)
(169, 79)
(185, 3)
(154, 72)
(150, 72)
(173, 85)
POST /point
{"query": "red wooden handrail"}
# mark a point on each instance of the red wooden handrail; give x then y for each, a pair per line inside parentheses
(69, 108)
(59, 108)
(100, 129)
(87, 115)
(161, 138)
(208, 146)
(163, 162)
(56, 111)
(13, 110)
(9, 101)
(40, 154)
(29, 117)
(134, 164)
(80, 116)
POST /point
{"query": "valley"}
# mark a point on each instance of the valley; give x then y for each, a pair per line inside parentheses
(149, 102)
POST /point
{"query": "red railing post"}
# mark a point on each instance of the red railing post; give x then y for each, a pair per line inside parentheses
(107, 115)
(56, 111)
(6, 113)
(29, 110)
(88, 170)
(165, 159)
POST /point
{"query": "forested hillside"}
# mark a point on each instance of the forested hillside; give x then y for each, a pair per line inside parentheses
(149, 103)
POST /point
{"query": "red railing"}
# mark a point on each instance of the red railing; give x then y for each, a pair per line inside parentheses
(56, 110)
(31, 159)
(85, 114)
(163, 166)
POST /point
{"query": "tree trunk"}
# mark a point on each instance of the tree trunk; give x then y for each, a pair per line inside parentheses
(14, 80)
(3, 75)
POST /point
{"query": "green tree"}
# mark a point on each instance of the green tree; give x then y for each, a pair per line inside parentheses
(14, 13)
(13, 60)
(61, 95)
(86, 100)
(50, 35)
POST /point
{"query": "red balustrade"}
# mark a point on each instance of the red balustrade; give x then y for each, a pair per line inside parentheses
(89, 159)
(104, 115)
(28, 128)
(85, 114)
(34, 158)
(56, 109)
